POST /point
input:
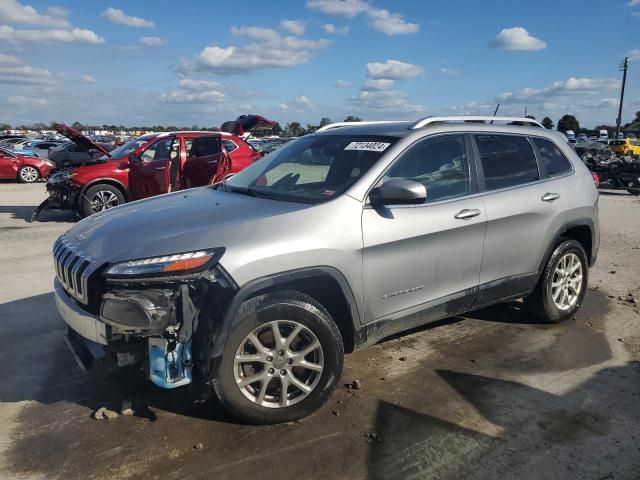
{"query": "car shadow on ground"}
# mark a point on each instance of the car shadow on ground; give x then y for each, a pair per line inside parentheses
(19, 212)
(541, 434)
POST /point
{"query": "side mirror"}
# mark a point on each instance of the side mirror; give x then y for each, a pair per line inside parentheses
(398, 192)
(133, 158)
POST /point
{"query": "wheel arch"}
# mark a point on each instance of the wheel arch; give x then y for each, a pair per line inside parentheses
(108, 181)
(582, 231)
(326, 285)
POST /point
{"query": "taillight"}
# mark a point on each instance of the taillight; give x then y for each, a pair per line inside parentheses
(596, 179)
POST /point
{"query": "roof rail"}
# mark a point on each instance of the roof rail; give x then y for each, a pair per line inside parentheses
(331, 126)
(423, 122)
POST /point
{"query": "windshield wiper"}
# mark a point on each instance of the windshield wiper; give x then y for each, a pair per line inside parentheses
(252, 192)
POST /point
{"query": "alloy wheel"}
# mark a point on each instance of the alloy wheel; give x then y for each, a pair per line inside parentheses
(566, 284)
(29, 174)
(103, 200)
(278, 364)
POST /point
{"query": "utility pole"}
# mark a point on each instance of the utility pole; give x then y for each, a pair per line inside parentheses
(525, 112)
(623, 67)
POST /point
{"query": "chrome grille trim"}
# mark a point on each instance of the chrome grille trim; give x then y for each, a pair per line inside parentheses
(73, 268)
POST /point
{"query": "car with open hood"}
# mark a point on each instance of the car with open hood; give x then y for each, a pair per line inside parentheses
(23, 167)
(149, 165)
(79, 150)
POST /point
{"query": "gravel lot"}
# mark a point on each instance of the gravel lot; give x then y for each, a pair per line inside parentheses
(491, 395)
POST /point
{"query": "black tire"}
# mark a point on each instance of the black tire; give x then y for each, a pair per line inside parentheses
(540, 303)
(634, 191)
(108, 191)
(31, 178)
(286, 305)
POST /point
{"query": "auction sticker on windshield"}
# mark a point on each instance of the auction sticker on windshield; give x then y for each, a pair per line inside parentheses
(367, 146)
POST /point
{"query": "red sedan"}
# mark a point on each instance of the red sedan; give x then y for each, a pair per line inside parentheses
(25, 168)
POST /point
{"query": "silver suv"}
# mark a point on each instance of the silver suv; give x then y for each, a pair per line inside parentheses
(256, 287)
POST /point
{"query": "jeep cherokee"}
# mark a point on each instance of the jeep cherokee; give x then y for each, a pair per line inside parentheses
(254, 288)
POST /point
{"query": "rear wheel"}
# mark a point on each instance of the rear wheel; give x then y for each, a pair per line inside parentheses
(28, 174)
(282, 360)
(561, 288)
(100, 198)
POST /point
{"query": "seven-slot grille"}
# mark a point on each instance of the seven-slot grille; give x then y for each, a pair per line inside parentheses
(73, 268)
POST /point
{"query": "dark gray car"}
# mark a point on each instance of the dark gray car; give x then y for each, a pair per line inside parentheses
(256, 287)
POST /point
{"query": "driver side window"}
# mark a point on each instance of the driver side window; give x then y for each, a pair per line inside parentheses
(165, 149)
(441, 164)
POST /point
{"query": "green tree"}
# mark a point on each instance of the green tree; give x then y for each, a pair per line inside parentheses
(325, 121)
(547, 123)
(277, 130)
(294, 129)
(77, 125)
(568, 122)
(531, 117)
(351, 118)
(5, 126)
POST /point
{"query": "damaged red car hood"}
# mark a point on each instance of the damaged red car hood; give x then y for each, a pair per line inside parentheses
(247, 124)
(78, 138)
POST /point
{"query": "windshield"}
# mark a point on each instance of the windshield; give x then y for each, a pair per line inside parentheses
(124, 150)
(311, 169)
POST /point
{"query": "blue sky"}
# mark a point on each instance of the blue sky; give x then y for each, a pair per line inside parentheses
(149, 62)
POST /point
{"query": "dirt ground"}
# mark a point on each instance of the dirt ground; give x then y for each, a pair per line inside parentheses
(491, 395)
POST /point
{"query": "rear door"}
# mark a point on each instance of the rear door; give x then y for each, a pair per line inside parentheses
(524, 211)
(203, 161)
(425, 259)
(150, 173)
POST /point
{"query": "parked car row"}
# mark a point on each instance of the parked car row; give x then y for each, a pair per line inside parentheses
(149, 165)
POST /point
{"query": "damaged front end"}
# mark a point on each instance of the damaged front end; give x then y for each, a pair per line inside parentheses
(159, 314)
(63, 195)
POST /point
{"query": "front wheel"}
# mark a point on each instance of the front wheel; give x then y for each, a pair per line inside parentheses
(28, 174)
(100, 198)
(282, 360)
(561, 288)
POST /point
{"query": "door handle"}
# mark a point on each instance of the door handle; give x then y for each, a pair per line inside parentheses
(550, 197)
(160, 168)
(467, 213)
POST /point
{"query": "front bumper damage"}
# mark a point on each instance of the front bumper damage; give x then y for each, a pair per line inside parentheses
(166, 328)
(61, 197)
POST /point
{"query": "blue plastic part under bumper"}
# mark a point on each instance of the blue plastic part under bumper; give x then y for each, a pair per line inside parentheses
(169, 369)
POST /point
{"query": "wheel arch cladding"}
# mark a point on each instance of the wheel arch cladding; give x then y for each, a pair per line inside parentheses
(582, 231)
(326, 285)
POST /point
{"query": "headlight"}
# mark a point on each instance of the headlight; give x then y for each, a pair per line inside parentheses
(178, 263)
(49, 163)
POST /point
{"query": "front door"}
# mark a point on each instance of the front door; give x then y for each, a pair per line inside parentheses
(425, 259)
(150, 174)
(6, 165)
(203, 160)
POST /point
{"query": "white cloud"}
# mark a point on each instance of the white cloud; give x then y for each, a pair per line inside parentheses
(563, 88)
(190, 84)
(634, 54)
(25, 75)
(448, 71)
(88, 79)
(21, 101)
(255, 33)
(8, 59)
(211, 96)
(299, 104)
(342, 84)
(391, 23)
(517, 38)
(633, 3)
(390, 102)
(635, 14)
(115, 15)
(378, 84)
(293, 27)
(76, 35)
(268, 50)
(12, 11)
(334, 30)
(343, 8)
(382, 20)
(393, 69)
(152, 41)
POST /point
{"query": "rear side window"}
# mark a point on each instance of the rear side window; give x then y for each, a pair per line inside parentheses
(554, 162)
(507, 160)
(205, 146)
(229, 146)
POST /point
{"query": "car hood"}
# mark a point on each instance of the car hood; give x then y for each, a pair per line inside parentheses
(247, 124)
(78, 138)
(178, 222)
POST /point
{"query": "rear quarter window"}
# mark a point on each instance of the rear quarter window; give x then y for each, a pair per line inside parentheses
(507, 160)
(551, 158)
